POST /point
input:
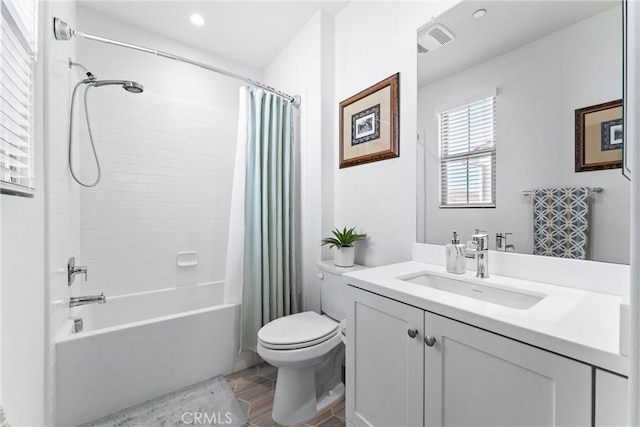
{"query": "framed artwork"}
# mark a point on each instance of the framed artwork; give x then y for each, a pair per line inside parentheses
(599, 137)
(369, 124)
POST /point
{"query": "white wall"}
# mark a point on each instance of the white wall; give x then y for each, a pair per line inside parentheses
(159, 75)
(1, 311)
(540, 85)
(305, 67)
(1, 261)
(23, 306)
(22, 291)
(167, 158)
(374, 40)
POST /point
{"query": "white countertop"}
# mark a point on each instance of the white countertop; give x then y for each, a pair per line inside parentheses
(579, 324)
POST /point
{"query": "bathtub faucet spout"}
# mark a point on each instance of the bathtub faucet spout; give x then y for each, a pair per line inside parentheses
(77, 301)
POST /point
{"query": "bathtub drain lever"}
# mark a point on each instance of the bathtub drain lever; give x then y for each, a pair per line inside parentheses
(78, 325)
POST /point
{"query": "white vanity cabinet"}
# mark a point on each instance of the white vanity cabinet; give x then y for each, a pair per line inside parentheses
(384, 378)
(610, 399)
(475, 377)
(467, 376)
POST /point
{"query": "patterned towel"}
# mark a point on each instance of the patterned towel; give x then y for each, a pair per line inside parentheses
(561, 222)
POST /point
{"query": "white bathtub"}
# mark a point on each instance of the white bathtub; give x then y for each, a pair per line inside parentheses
(140, 346)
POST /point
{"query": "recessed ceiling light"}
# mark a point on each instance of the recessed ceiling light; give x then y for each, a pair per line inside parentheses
(197, 20)
(479, 13)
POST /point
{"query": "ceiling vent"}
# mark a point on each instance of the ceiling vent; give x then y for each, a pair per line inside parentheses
(433, 37)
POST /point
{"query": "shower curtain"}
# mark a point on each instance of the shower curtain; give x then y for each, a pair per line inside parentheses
(262, 269)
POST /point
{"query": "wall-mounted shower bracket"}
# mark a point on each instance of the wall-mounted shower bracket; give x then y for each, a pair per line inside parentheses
(90, 76)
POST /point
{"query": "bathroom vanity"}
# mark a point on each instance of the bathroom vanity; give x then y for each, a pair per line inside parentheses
(422, 349)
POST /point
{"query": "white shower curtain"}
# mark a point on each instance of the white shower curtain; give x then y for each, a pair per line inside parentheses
(262, 269)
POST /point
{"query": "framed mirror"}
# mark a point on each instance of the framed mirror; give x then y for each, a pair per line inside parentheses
(507, 79)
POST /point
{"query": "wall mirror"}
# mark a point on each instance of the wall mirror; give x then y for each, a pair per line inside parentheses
(522, 69)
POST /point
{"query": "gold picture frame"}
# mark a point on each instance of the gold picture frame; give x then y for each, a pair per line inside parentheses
(369, 124)
(599, 137)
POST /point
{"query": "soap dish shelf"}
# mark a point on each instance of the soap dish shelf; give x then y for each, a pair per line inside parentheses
(187, 259)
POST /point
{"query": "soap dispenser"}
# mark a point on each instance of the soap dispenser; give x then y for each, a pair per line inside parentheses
(456, 262)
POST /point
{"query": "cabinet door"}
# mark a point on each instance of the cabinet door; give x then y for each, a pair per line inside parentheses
(611, 399)
(477, 378)
(384, 364)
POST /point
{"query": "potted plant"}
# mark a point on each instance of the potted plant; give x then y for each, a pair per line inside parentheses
(343, 241)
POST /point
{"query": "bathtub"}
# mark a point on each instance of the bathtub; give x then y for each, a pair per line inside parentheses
(140, 346)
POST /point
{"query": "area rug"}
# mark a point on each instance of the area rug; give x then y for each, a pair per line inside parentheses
(210, 402)
(3, 420)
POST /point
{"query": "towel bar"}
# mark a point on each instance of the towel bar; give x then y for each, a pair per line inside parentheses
(591, 189)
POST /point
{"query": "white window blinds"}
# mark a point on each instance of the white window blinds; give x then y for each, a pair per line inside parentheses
(17, 64)
(468, 155)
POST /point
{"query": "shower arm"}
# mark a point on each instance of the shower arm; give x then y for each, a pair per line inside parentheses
(63, 31)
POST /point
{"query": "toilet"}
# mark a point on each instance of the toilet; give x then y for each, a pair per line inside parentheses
(308, 350)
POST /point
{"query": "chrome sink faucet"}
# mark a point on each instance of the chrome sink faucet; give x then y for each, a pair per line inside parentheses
(77, 301)
(501, 242)
(478, 248)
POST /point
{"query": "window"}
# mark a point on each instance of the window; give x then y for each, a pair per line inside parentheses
(466, 137)
(17, 65)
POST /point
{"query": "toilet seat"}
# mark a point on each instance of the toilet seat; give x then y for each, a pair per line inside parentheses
(297, 331)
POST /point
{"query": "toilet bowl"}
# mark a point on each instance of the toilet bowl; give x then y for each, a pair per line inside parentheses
(308, 350)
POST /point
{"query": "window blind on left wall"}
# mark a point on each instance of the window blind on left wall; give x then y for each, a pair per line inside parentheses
(17, 66)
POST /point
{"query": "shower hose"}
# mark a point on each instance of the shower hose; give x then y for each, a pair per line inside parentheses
(93, 146)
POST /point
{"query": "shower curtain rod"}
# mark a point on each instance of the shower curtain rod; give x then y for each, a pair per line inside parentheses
(63, 31)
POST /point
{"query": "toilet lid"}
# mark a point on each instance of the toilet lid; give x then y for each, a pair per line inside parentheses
(297, 331)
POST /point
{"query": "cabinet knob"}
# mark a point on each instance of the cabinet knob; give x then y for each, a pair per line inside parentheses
(430, 341)
(412, 333)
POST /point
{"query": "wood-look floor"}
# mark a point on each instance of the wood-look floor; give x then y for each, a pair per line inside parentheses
(254, 388)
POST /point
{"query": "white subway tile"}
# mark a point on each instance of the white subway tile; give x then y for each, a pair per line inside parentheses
(167, 175)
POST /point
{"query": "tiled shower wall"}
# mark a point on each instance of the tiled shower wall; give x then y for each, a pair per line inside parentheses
(167, 170)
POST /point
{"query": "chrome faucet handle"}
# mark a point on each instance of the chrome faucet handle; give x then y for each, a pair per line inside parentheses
(72, 270)
(481, 240)
(501, 242)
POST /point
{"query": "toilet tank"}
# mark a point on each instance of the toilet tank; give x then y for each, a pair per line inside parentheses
(332, 289)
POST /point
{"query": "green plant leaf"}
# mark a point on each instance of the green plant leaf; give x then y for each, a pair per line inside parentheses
(344, 238)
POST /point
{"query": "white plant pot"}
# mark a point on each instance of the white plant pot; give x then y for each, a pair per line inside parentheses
(344, 257)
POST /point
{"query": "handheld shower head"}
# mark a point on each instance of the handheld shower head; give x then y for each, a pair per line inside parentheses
(90, 82)
(129, 86)
(133, 87)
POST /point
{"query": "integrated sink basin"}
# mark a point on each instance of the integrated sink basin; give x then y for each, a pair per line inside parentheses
(507, 297)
